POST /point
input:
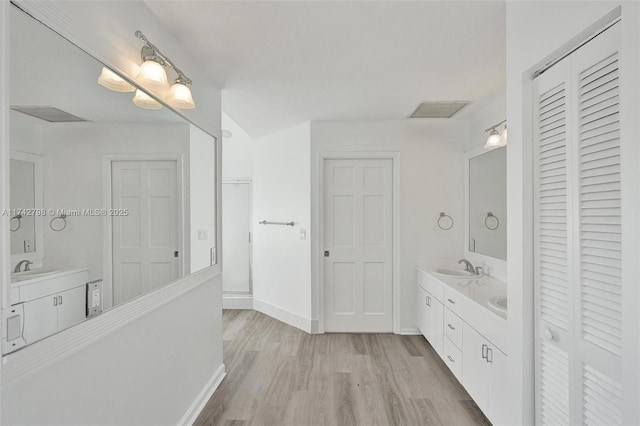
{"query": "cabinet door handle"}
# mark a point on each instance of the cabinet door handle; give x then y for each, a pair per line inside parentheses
(451, 301)
(451, 327)
(55, 301)
(451, 359)
(59, 300)
(427, 300)
(484, 351)
(489, 355)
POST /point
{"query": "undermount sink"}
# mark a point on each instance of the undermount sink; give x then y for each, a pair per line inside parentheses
(29, 275)
(455, 273)
(498, 303)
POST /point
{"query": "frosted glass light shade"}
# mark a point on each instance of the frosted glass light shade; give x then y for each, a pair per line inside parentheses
(152, 76)
(143, 100)
(180, 97)
(494, 140)
(113, 81)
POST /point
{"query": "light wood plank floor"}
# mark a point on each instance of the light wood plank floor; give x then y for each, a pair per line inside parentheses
(279, 375)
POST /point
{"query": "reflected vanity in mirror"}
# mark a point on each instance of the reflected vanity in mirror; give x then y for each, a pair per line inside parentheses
(486, 202)
(109, 201)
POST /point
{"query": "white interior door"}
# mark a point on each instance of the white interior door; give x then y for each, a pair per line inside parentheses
(578, 235)
(358, 236)
(236, 208)
(146, 246)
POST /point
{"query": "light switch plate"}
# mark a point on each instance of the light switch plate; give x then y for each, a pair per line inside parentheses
(303, 234)
(472, 244)
(94, 298)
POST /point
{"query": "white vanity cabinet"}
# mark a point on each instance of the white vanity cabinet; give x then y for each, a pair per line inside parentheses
(52, 303)
(430, 319)
(485, 375)
(468, 336)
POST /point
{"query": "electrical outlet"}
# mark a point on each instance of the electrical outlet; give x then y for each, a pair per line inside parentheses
(28, 246)
(94, 298)
(303, 234)
(472, 244)
(202, 234)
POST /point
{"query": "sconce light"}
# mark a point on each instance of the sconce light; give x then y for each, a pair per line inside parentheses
(496, 139)
(153, 76)
(180, 96)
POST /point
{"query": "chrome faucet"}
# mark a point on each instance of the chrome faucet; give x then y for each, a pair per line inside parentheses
(26, 264)
(468, 266)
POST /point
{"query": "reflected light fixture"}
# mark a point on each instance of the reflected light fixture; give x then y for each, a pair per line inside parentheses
(496, 139)
(143, 100)
(113, 81)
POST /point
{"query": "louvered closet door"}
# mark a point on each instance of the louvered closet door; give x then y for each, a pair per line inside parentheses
(578, 238)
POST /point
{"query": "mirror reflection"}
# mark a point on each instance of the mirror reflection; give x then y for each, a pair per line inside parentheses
(114, 200)
(488, 203)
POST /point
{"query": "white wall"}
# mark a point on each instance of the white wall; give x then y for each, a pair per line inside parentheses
(537, 32)
(237, 151)
(153, 368)
(281, 193)
(431, 160)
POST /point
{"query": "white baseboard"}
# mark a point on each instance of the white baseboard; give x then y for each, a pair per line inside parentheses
(304, 324)
(410, 332)
(203, 397)
(237, 301)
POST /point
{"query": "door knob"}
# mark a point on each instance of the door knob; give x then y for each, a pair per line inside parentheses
(546, 335)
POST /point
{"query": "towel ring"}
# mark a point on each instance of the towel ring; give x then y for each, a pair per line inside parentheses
(445, 222)
(63, 218)
(18, 218)
(491, 222)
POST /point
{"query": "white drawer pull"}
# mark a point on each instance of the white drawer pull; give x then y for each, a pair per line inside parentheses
(451, 359)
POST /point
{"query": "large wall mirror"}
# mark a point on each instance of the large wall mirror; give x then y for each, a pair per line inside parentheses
(109, 201)
(487, 203)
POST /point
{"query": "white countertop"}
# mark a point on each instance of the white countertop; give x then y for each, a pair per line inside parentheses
(479, 290)
(49, 276)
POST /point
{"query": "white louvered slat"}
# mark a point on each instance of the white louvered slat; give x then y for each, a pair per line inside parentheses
(600, 213)
(552, 207)
(602, 398)
(554, 396)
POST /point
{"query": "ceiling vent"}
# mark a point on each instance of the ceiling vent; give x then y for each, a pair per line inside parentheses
(48, 113)
(445, 109)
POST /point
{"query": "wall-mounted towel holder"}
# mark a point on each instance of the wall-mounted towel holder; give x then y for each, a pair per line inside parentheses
(266, 222)
(445, 222)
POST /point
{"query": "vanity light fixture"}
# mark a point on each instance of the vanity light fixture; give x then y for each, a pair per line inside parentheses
(153, 77)
(496, 139)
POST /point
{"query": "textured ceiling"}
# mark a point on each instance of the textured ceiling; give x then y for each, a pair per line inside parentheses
(283, 63)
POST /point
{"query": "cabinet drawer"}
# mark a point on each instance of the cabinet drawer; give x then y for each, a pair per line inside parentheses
(453, 328)
(453, 300)
(453, 358)
(433, 286)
